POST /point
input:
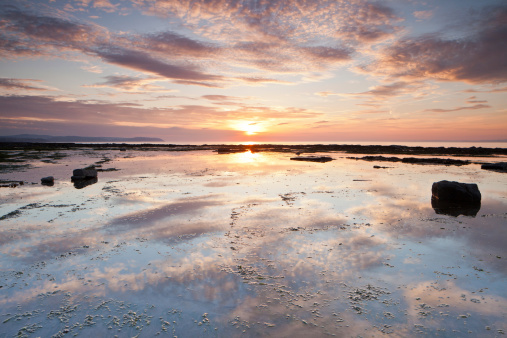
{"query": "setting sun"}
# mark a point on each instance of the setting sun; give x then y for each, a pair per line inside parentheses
(249, 127)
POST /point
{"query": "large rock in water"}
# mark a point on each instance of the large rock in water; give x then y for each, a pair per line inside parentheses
(49, 181)
(82, 174)
(500, 166)
(456, 192)
(455, 198)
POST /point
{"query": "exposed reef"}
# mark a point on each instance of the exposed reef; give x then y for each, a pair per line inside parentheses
(221, 148)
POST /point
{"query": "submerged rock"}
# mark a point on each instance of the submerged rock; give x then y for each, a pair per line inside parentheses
(49, 181)
(455, 198)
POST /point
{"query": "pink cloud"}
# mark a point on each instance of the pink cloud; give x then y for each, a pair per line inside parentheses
(423, 15)
(131, 84)
(474, 107)
(478, 58)
(176, 44)
(20, 84)
(144, 62)
(39, 109)
(275, 37)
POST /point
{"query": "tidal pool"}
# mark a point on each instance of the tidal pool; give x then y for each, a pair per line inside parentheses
(198, 244)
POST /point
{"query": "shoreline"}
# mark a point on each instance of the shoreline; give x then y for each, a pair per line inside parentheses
(223, 148)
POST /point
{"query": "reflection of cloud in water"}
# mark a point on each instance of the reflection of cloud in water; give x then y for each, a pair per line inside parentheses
(177, 208)
(166, 247)
(485, 234)
(191, 270)
(448, 297)
(219, 183)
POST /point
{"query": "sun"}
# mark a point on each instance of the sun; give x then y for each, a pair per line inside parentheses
(249, 127)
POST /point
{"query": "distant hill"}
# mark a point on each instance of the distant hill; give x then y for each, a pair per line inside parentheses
(63, 139)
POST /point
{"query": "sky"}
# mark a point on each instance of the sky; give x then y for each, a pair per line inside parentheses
(255, 70)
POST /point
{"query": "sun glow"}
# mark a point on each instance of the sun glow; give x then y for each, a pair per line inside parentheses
(249, 127)
(246, 157)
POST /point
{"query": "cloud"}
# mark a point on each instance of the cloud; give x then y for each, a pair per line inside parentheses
(257, 19)
(131, 84)
(493, 90)
(104, 5)
(328, 53)
(39, 31)
(393, 89)
(20, 84)
(473, 99)
(260, 80)
(279, 35)
(476, 58)
(94, 116)
(177, 45)
(474, 107)
(144, 62)
(300, 38)
(219, 97)
(423, 15)
(381, 92)
(224, 99)
(369, 22)
(325, 94)
(30, 34)
(92, 69)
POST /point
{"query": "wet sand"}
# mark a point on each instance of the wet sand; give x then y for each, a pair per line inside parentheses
(247, 242)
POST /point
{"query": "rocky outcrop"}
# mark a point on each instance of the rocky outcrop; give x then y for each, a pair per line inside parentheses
(312, 158)
(49, 181)
(456, 192)
(413, 160)
(83, 174)
(455, 198)
(500, 166)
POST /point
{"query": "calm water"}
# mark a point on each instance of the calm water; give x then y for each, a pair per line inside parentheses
(197, 244)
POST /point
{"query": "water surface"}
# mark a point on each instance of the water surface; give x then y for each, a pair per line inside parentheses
(247, 244)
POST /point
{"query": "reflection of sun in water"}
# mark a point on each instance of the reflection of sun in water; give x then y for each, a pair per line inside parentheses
(249, 127)
(246, 157)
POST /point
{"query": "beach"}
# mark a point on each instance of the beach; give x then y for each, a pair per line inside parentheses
(229, 241)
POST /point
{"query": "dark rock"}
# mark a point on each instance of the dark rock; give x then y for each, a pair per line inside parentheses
(456, 192)
(82, 174)
(108, 169)
(502, 166)
(455, 198)
(413, 160)
(49, 181)
(123, 149)
(312, 158)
